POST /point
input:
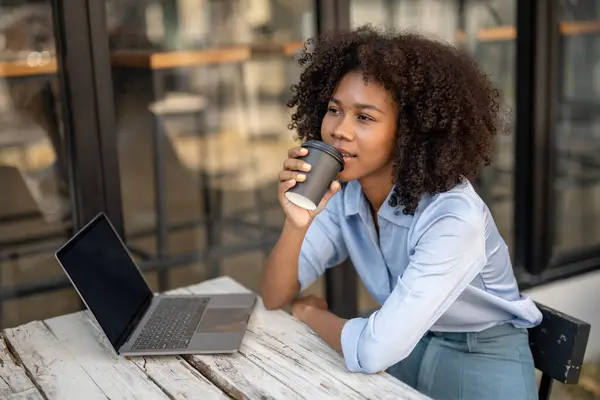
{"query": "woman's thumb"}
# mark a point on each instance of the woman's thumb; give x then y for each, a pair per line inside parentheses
(333, 189)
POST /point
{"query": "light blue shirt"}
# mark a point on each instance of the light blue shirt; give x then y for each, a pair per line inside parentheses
(444, 269)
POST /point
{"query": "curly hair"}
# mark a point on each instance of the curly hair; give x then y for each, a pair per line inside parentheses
(448, 109)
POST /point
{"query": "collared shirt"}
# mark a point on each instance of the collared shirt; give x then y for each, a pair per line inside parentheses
(446, 268)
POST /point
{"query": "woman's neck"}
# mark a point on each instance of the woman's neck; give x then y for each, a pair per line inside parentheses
(377, 188)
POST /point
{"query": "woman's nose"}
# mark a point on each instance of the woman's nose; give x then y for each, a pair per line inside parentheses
(344, 130)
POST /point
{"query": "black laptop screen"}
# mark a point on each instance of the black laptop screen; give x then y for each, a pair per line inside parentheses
(105, 276)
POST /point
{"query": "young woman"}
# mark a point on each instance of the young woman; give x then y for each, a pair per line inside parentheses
(415, 120)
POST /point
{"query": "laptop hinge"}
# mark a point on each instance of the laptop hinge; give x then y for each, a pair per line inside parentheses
(134, 323)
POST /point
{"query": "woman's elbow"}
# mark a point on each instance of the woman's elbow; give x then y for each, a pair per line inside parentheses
(271, 304)
(275, 297)
(378, 358)
(272, 300)
(374, 364)
(372, 368)
(269, 301)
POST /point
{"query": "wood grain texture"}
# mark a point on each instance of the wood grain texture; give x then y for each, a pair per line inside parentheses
(69, 357)
(178, 378)
(172, 375)
(56, 371)
(291, 352)
(14, 382)
(235, 374)
(116, 376)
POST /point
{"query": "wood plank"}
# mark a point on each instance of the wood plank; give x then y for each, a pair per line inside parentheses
(509, 32)
(187, 58)
(580, 27)
(14, 69)
(172, 374)
(293, 48)
(176, 59)
(67, 359)
(55, 370)
(307, 379)
(292, 352)
(241, 378)
(117, 376)
(238, 376)
(14, 382)
(297, 342)
(178, 378)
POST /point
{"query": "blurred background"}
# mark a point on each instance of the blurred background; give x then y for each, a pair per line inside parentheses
(170, 116)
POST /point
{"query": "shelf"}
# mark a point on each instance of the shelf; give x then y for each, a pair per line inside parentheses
(15, 69)
(156, 60)
(501, 33)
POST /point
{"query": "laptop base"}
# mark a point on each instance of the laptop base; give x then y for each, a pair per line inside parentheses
(191, 324)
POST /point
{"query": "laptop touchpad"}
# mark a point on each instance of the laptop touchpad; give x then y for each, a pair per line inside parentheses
(220, 320)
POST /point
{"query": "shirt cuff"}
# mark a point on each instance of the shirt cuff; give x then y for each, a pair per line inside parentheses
(350, 336)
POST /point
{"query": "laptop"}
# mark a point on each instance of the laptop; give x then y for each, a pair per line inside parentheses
(133, 318)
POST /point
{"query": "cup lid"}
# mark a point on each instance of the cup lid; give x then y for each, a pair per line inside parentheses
(332, 151)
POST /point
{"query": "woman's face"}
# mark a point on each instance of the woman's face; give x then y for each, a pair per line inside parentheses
(361, 123)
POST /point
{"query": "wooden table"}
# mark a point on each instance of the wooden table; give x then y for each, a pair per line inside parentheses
(68, 357)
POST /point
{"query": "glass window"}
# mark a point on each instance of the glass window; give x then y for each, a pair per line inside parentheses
(35, 206)
(487, 30)
(577, 140)
(200, 89)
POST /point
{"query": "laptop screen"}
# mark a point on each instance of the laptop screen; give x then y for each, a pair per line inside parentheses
(105, 276)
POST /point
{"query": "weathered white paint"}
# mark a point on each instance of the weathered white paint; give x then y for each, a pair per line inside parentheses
(56, 371)
(173, 375)
(178, 378)
(293, 353)
(14, 383)
(235, 374)
(69, 357)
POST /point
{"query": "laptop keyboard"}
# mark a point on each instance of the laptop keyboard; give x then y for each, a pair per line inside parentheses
(172, 324)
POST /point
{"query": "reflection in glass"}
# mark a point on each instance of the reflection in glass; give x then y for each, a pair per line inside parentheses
(200, 90)
(486, 30)
(34, 204)
(577, 140)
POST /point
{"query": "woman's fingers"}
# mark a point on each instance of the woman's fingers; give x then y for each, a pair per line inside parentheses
(294, 164)
(297, 152)
(287, 175)
(286, 185)
(333, 189)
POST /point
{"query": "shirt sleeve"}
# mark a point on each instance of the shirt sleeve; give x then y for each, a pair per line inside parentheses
(448, 255)
(323, 246)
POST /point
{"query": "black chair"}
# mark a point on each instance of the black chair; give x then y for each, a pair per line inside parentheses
(558, 345)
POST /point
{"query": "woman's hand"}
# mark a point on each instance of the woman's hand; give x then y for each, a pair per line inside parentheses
(294, 170)
(300, 305)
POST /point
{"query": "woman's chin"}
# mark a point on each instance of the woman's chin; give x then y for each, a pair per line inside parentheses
(346, 176)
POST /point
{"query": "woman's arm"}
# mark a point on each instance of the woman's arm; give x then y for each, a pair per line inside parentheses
(449, 253)
(279, 283)
(301, 256)
(325, 323)
(447, 257)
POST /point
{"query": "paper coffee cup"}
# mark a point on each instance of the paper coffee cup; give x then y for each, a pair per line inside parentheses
(326, 162)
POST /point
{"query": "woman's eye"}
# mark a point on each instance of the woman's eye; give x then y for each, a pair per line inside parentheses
(332, 110)
(364, 117)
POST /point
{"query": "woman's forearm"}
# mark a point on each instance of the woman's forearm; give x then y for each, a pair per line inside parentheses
(325, 324)
(279, 281)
